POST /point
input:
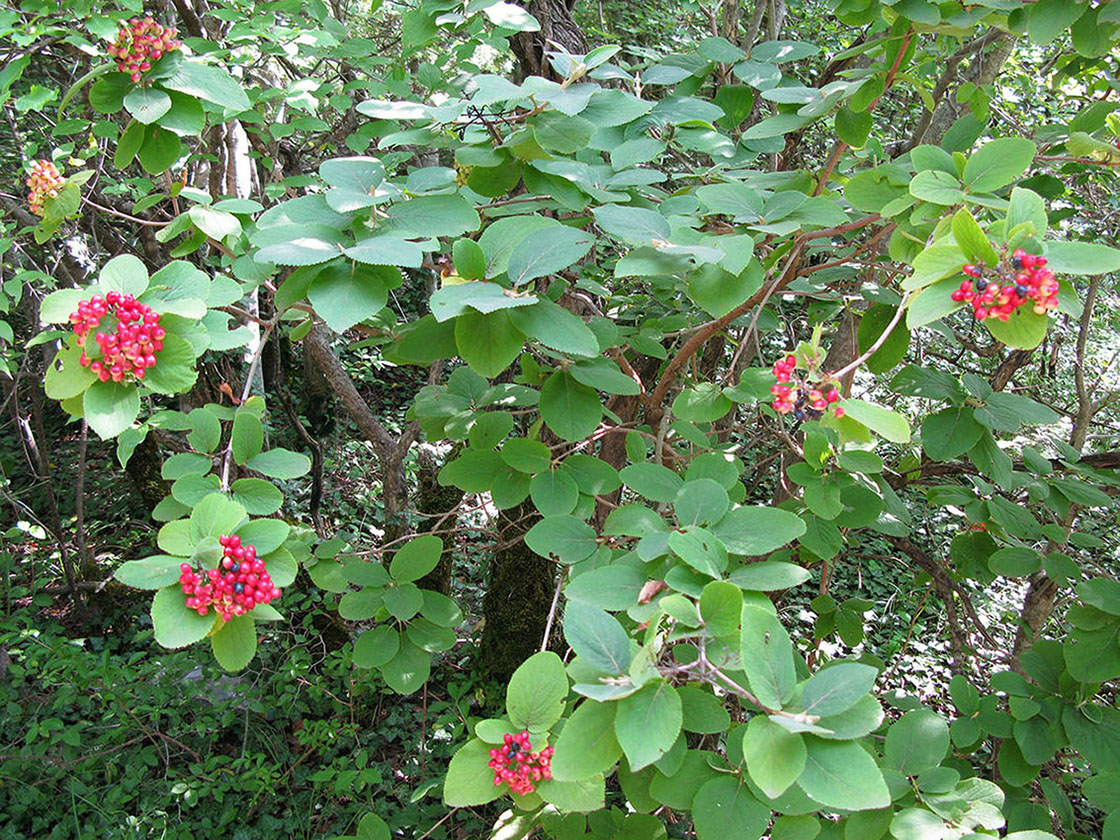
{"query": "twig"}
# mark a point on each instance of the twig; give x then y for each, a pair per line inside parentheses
(227, 456)
(879, 342)
(552, 612)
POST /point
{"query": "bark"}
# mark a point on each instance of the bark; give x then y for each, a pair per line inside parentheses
(1007, 369)
(517, 599)
(558, 26)
(994, 49)
(389, 454)
(144, 469)
(434, 498)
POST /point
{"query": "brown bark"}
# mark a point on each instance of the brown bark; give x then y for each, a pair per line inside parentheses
(518, 597)
(557, 25)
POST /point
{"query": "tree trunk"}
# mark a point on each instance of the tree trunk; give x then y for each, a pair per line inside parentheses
(558, 25)
(518, 597)
(145, 470)
(433, 498)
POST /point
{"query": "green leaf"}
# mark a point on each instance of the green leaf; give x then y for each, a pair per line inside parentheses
(554, 493)
(1024, 330)
(176, 626)
(160, 150)
(917, 741)
(212, 84)
(700, 550)
(546, 252)
(403, 601)
(703, 711)
(884, 422)
(769, 575)
(302, 244)
(950, 432)
(604, 375)
(214, 516)
(247, 437)
(574, 797)
(841, 774)
(347, 293)
(587, 745)
(632, 225)
(598, 639)
(387, 251)
(654, 481)
(453, 300)
(266, 535)
(175, 371)
(65, 377)
(566, 538)
(757, 530)
(488, 342)
(1014, 561)
(376, 646)
(972, 239)
(933, 303)
(775, 757)
(1026, 207)
(557, 328)
(1082, 258)
(235, 642)
(871, 326)
(647, 723)
(280, 463)
(110, 407)
(408, 670)
(720, 605)
(418, 557)
(536, 692)
(433, 215)
(724, 809)
(154, 572)
(125, 274)
(934, 263)
(936, 187)
(571, 409)
(470, 260)
(853, 127)
(614, 587)
(837, 688)
(767, 656)
(997, 163)
(147, 104)
(703, 403)
(470, 781)
(1048, 19)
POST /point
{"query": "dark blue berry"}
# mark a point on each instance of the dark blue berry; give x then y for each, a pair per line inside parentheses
(1017, 262)
(239, 587)
(1021, 290)
(981, 285)
(236, 567)
(800, 415)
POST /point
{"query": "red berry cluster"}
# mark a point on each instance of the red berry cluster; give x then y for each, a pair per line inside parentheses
(1024, 278)
(793, 395)
(515, 765)
(239, 584)
(139, 43)
(45, 182)
(131, 351)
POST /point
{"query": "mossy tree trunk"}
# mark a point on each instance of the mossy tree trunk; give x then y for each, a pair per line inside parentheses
(433, 498)
(517, 599)
(145, 470)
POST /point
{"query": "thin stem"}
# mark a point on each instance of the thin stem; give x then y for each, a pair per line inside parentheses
(227, 456)
(121, 215)
(879, 342)
(552, 612)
